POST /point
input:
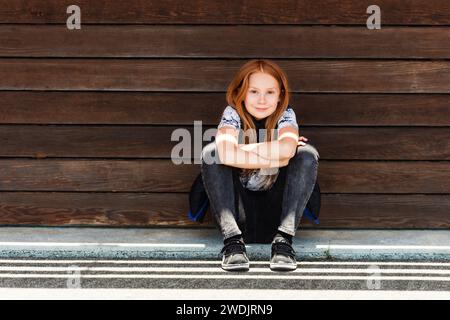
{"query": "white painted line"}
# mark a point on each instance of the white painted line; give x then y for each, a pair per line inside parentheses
(219, 277)
(217, 262)
(381, 247)
(356, 263)
(42, 261)
(215, 294)
(19, 261)
(88, 244)
(218, 269)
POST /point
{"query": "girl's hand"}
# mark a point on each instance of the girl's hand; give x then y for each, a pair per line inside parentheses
(300, 141)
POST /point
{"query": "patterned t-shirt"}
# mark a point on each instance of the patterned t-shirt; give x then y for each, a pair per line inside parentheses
(258, 179)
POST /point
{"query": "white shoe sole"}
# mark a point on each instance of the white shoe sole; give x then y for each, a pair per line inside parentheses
(282, 267)
(237, 267)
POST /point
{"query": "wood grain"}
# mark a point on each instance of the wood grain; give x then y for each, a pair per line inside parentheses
(153, 175)
(169, 108)
(170, 210)
(333, 143)
(169, 41)
(344, 76)
(416, 12)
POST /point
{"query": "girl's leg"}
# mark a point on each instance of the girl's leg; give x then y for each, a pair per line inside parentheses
(219, 183)
(301, 175)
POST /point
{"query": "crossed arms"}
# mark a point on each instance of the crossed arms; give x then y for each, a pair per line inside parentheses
(256, 155)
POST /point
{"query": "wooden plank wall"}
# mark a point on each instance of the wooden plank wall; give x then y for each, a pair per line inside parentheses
(86, 115)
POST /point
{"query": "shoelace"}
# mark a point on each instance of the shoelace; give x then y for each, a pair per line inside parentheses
(233, 247)
(283, 248)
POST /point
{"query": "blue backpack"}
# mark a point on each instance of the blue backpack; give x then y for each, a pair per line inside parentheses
(199, 202)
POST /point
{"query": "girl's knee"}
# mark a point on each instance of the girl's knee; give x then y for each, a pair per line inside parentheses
(308, 153)
(209, 154)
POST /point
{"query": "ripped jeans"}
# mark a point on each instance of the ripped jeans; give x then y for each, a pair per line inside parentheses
(258, 215)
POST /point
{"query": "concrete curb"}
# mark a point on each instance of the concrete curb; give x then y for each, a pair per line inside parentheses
(205, 244)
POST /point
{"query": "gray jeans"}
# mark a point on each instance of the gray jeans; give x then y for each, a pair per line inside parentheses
(258, 215)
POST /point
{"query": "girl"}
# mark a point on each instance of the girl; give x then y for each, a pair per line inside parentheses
(258, 189)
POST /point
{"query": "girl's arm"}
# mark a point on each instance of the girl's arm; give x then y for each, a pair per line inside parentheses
(232, 155)
(272, 150)
(282, 149)
(244, 159)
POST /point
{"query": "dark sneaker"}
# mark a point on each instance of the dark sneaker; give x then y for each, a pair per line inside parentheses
(235, 257)
(283, 256)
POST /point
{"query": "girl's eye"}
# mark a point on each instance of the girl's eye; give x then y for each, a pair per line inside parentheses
(254, 91)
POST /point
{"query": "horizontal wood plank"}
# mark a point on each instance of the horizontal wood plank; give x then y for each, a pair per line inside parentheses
(203, 42)
(169, 209)
(107, 209)
(430, 12)
(163, 176)
(215, 75)
(384, 211)
(333, 143)
(170, 108)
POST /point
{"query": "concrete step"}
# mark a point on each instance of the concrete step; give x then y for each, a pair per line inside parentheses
(205, 244)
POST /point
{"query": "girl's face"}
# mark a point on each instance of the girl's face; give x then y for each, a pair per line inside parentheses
(263, 95)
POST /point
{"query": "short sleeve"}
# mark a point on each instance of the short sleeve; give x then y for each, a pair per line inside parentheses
(230, 117)
(288, 118)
